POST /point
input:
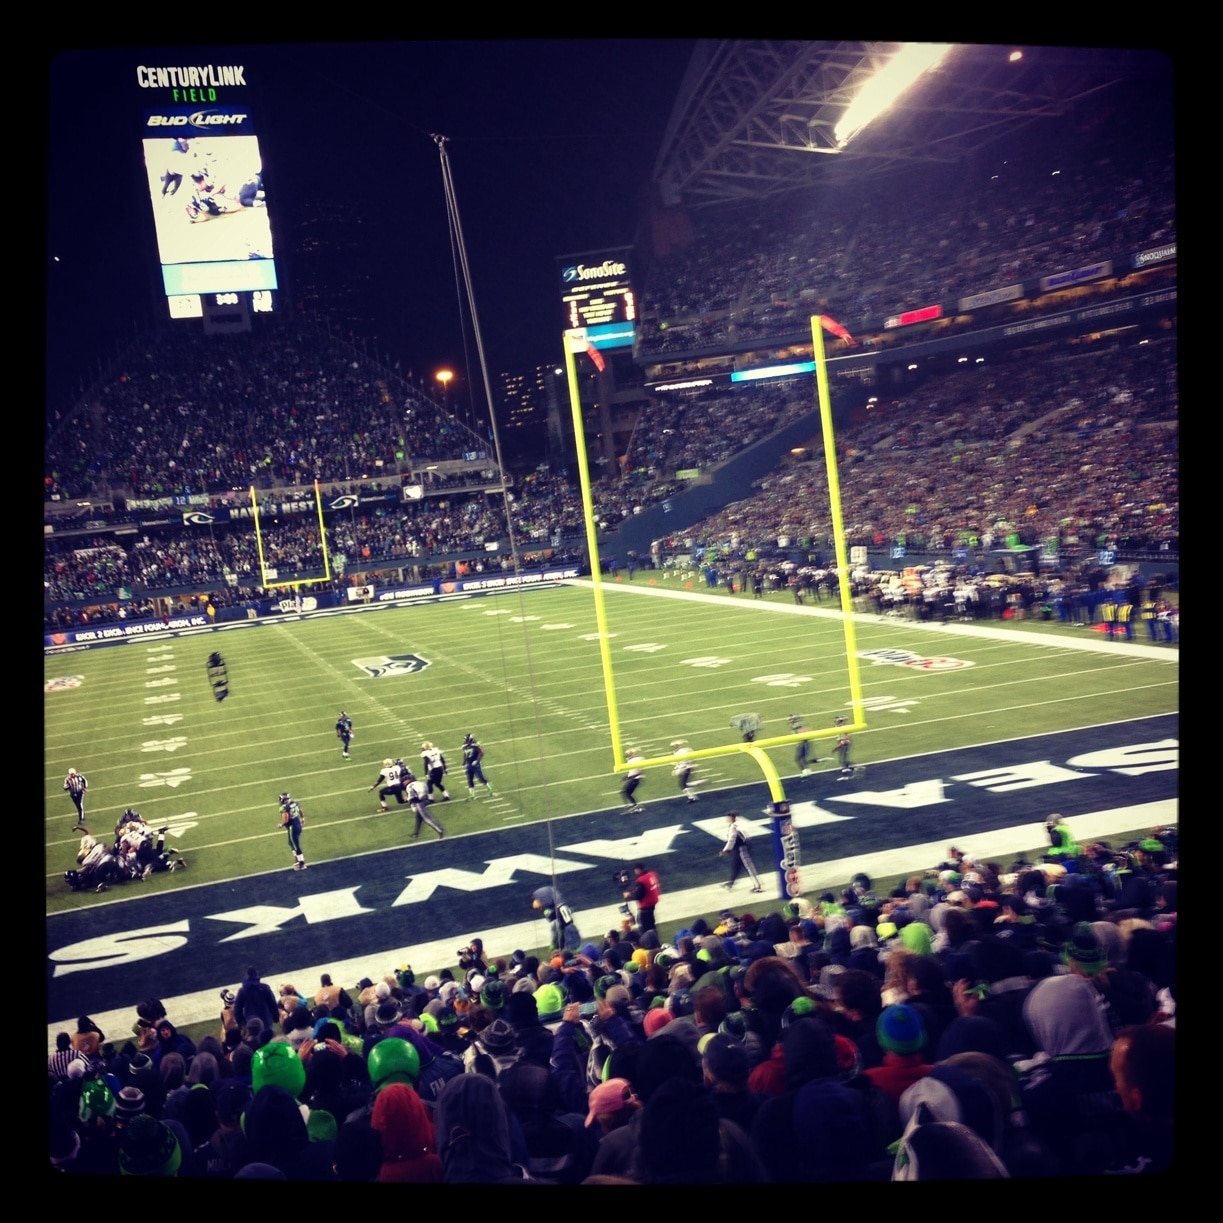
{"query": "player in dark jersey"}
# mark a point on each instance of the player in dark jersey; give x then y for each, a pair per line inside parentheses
(632, 780)
(802, 752)
(343, 731)
(848, 770)
(473, 757)
(292, 819)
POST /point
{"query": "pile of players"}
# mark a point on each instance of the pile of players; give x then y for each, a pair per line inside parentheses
(137, 852)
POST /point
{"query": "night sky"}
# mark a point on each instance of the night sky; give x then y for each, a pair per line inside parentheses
(550, 144)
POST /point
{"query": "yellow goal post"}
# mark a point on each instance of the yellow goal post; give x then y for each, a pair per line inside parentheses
(575, 342)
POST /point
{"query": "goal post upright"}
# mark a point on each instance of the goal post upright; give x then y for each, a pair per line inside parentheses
(322, 533)
(575, 342)
(858, 722)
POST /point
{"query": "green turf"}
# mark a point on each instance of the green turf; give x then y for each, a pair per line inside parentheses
(522, 672)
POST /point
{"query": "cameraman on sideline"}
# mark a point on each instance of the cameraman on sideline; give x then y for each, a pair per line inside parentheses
(646, 891)
(473, 957)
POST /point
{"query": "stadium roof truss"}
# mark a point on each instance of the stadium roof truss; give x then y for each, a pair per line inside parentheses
(755, 118)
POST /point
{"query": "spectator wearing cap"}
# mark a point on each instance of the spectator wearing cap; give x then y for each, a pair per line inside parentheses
(996, 991)
(493, 993)
(1127, 997)
(611, 1106)
(494, 1049)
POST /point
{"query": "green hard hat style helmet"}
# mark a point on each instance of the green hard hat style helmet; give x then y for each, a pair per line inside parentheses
(393, 1060)
(97, 1100)
(277, 1064)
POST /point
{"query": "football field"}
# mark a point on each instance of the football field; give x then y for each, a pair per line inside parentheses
(521, 671)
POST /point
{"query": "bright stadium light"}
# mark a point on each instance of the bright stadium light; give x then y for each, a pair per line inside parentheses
(887, 85)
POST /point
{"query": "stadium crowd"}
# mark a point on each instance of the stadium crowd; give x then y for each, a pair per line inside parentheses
(982, 1020)
(861, 252)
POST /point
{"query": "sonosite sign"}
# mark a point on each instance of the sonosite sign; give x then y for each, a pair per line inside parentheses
(205, 180)
(597, 294)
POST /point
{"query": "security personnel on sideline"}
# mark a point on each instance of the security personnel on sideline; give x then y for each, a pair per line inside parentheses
(646, 891)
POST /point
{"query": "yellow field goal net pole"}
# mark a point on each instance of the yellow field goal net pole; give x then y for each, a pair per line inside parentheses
(575, 342)
(858, 721)
(322, 534)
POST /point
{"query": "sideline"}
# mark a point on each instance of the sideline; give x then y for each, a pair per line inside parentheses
(706, 900)
(1091, 643)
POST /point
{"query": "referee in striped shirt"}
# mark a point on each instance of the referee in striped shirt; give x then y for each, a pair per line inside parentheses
(76, 785)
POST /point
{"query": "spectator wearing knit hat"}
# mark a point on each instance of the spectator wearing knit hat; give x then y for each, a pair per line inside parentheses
(152, 1148)
(903, 1039)
(409, 1150)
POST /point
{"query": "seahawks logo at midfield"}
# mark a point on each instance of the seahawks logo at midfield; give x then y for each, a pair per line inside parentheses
(391, 664)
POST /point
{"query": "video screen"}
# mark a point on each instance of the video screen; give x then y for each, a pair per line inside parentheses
(210, 210)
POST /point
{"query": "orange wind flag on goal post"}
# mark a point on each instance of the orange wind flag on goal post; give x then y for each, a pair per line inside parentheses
(596, 356)
(834, 328)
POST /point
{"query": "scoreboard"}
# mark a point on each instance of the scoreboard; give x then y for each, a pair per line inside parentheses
(597, 294)
(204, 171)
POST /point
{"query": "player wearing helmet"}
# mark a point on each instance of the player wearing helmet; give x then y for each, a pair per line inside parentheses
(684, 769)
(802, 753)
(632, 779)
(473, 755)
(435, 769)
(343, 731)
(292, 819)
(390, 780)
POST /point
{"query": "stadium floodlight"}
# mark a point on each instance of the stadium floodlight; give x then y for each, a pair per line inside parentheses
(882, 89)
